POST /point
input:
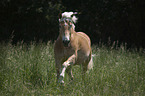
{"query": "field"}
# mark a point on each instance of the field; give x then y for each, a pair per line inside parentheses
(29, 70)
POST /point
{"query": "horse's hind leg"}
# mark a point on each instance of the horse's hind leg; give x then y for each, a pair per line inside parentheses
(84, 70)
(87, 66)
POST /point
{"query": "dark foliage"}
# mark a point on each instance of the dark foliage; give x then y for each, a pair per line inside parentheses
(28, 20)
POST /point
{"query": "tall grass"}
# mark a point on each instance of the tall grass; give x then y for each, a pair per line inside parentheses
(27, 70)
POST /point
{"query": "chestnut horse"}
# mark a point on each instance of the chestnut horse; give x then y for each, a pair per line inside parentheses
(71, 48)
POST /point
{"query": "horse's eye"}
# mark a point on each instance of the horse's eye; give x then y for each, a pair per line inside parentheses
(70, 26)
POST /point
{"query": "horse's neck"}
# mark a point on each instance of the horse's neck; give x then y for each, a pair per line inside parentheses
(73, 26)
(73, 32)
(74, 35)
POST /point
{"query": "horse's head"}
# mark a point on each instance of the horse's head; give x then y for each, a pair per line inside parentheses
(66, 23)
(65, 30)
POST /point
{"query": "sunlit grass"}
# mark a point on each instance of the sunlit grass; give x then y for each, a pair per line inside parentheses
(30, 70)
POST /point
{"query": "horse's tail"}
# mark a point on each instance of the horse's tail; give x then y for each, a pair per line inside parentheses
(91, 64)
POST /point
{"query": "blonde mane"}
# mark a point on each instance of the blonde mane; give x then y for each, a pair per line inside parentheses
(71, 16)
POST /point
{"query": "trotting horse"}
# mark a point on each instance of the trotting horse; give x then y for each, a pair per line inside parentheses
(71, 48)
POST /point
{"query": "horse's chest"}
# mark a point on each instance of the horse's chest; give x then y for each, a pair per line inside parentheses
(68, 52)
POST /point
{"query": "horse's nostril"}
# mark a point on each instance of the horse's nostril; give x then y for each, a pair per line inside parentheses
(66, 42)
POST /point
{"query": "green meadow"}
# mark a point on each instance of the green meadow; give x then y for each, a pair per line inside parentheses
(29, 70)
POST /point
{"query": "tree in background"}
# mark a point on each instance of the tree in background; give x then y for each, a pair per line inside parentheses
(120, 20)
(29, 19)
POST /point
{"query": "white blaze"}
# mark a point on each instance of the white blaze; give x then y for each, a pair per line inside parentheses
(65, 37)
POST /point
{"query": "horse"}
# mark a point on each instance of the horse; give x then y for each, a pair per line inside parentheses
(71, 48)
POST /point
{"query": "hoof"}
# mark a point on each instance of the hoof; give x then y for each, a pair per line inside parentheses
(61, 80)
(61, 83)
(72, 79)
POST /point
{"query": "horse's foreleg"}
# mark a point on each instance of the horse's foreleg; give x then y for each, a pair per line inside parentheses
(65, 65)
(69, 71)
(58, 67)
(58, 72)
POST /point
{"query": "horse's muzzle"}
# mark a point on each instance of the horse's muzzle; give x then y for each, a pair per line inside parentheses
(66, 43)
